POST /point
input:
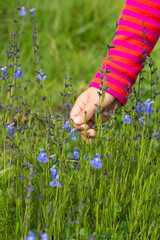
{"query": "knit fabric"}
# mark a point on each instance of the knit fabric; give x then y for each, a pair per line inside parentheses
(130, 42)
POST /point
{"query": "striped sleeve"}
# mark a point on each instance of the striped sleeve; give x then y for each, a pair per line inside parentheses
(123, 61)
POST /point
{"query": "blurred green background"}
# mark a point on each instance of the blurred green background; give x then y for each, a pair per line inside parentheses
(71, 35)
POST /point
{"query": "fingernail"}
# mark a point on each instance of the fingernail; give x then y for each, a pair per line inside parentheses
(78, 120)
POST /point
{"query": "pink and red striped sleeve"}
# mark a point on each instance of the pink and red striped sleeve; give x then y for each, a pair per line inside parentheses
(124, 60)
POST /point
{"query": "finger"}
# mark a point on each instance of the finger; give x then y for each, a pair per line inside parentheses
(86, 139)
(81, 127)
(89, 133)
(78, 107)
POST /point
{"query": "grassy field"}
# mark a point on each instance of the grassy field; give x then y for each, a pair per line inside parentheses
(119, 201)
(67, 38)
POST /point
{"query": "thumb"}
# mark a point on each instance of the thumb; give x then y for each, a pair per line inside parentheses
(87, 113)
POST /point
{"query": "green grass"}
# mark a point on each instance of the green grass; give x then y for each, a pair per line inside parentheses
(122, 199)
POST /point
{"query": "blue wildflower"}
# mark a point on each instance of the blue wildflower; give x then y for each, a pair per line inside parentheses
(23, 12)
(85, 157)
(42, 157)
(96, 162)
(18, 74)
(52, 156)
(126, 119)
(148, 107)
(32, 11)
(110, 156)
(53, 172)
(11, 129)
(141, 119)
(56, 183)
(32, 188)
(31, 236)
(73, 137)
(42, 76)
(67, 126)
(4, 72)
(104, 125)
(139, 108)
(69, 105)
(54, 115)
(75, 154)
(44, 236)
(31, 165)
(75, 221)
(156, 134)
(78, 132)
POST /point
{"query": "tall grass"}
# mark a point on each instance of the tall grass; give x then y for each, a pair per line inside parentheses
(121, 200)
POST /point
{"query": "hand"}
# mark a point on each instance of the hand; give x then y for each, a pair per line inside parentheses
(85, 103)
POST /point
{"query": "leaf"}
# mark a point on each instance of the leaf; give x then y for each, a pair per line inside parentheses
(118, 208)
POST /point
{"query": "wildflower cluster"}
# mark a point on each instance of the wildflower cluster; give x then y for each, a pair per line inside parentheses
(42, 157)
(139, 109)
(32, 236)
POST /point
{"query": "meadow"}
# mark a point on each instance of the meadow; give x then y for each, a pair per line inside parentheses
(53, 185)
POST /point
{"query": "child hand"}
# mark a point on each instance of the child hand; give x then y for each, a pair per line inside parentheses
(85, 103)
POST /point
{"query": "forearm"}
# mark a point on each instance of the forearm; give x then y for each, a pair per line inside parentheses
(125, 64)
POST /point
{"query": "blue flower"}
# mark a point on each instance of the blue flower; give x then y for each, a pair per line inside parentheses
(42, 76)
(11, 129)
(104, 125)
(156, 134)
(44, 236)
(55, 176)
(69, 105)
(78, 132)
(148, 107)
(110, 156)
(32, 188)
(32, 11)
(96, 162)
(54, 115)
(18, 74)
(67, 126)
(139, 108)
(75, 154)
(42, 157)
(126, 119)
(141, 119)
(23, 12)
(56, 183)
(73, 137)
(4, 72)
(52, 156)
(31, 236)
(53, 172)
(85, 157)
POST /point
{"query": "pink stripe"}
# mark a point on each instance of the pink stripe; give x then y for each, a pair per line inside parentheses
(127, 78)
(140, 28)
(129, 68)
(141, 17)
(155, 1)
(122, 99)
(136, 37)
(144, 7)
(133, 58)
(127, 45)
(114, 81)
